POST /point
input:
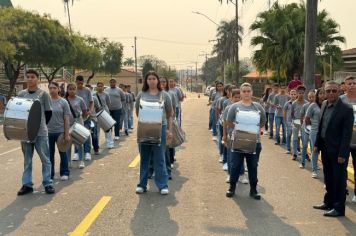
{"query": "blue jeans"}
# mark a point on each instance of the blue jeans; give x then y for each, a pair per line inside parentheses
(305, 142)
(168, 162)
(289, 128)
(270, 123)
(63, 169)
(125, 118)
(210, 118)
(95, 136)
(130, 120)
(296, 144)
(158, 155)
(213, 120)
(220, 145)
(116, 114)
(41, 146)
(237, 161)
(228, 155)
(314, 156)
(78, 149)
(179, 115)
(279, 123)
(87, 144)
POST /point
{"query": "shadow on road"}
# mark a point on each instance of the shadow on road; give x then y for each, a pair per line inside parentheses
(152, 215)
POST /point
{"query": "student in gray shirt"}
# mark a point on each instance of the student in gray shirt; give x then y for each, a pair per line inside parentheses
(117, 96)
(152, 91)
(287, 113)
(105, 102)
(272, 108)
(304, 133)
(41, 142)
(279, 101)
(312, 119)
(131, 106)
(58, 125)
(78, 110)
(87, 96)
(295, 114)
(237, 157)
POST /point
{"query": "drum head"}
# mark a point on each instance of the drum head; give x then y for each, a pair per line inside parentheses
(34, 120)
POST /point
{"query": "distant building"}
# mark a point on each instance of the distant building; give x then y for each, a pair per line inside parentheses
(259, 81)
(349, 65)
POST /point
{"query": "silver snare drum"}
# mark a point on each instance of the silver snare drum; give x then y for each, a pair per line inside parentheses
(247, 128)
(105, 121)
(22, 119)
(79, 134)
(149, 128)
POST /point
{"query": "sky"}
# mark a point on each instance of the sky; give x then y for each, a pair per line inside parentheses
(168, 29)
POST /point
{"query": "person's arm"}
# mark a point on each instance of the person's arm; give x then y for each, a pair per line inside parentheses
(66, 128)
(348, 122)
(122, 95)
(309, 115)
(107, 99)
(263, 118)
(47, 106)
(84, 108)
(137, 104)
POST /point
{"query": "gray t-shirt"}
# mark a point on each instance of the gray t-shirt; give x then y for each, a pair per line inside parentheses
(60, 109)
(78, 107)
(117, 96)
(87, 96)
(179, 95)
(174, 98)
(97, 108)
(288, 109)
(220, 103)
(155, 98)
(215, 99)
(313, 113)
(345, 99)
(270, 100)
(104, 99)
(231, 116)
(46, 105)
(280, 100)
(132, 100)
(226, 103)
(296, 109)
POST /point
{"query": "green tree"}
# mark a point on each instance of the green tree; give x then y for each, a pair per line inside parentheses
(146, 67)
(281, 38)
(112, 57)
(129, 61)
(210, 71)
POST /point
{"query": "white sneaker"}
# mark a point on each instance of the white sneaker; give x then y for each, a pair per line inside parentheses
(314, 175)
(164, 191)
(110, 146)
(243, 179)
(301, 166)
(87, 157)
(140, 190)
(221, 160)
(225, 168)
(75, 157)
(64, 178)
(228, 179)
(288, 152)
(81, 165)
(215, 138)
(354, 199)
(117, 138)
(172, 166)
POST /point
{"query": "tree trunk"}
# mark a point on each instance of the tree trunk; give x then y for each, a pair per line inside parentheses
(91, 77)
(12, 74)
(310, 47)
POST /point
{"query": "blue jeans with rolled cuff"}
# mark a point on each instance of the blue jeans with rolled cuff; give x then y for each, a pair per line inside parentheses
(63, 169)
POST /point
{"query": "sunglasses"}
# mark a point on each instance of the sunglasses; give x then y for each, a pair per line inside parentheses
(331, 91)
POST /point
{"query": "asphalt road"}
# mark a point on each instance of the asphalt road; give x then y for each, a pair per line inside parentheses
(196, 204)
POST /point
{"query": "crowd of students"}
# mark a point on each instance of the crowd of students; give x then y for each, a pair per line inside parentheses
(78, 103)
(295, 123)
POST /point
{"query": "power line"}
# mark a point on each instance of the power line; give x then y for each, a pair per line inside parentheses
(173, 42)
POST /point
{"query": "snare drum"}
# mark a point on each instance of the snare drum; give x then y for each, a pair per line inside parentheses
(22, 119)
(307, 129)
(105, 121)
(149, 128)
(79, 133)
(297, 122)
(245, 135)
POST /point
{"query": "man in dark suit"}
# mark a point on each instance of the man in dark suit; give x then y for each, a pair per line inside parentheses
(333, 140)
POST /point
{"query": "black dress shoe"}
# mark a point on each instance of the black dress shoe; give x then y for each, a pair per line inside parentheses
(24, 190)
(255, 195)
(230, 193)
(323, 207)
(50, 189)
(334, 213)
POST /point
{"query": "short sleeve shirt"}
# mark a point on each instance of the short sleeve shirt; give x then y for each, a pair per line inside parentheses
(288, 109)
(60, 110)
(280, 100)
(104, 100)
(46, 105)
(271, 101)
(78, 107)
(313, 113)
(117, 96)
(296, 109)
(87, 96)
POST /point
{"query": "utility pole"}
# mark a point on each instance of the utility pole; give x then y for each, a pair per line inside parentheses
(196, 76)
(237, 64)
(310, 41)
(136, 65)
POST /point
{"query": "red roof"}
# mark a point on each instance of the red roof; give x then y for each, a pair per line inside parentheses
(257, 74)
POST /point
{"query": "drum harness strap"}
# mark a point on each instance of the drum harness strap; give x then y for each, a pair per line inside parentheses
(101, 104)
(71, 110)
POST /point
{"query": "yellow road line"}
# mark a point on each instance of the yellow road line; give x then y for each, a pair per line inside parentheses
(90, 218)
(135, 162)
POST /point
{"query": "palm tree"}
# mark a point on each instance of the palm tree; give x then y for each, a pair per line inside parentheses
(66, 8)
(281, 38)
(129, 62)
